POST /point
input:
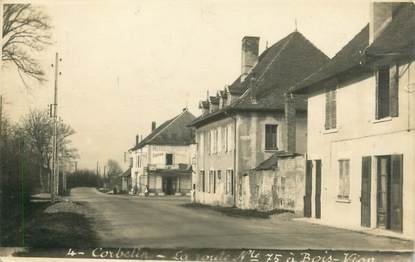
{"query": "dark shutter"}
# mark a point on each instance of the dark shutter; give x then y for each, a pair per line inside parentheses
(377, 94)
(394, 87)
(333, 108)
(328, 111)
(366, 191)
(396, 203)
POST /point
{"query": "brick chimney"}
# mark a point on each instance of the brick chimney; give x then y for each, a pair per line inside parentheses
(137, 139)
(153, 126)
(381, 14)
(249, 57)
(290, 124)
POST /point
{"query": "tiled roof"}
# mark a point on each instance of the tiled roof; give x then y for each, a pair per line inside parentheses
(399, 35)
(174, 131)
(348, 57)
(279, 67)
(398, 38)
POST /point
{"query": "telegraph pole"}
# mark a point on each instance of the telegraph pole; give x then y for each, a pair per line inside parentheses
(55, 168)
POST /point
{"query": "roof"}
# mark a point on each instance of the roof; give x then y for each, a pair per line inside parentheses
(398, 36)
(348, 57)
(174, 131)
(285, 63)
(272, 161)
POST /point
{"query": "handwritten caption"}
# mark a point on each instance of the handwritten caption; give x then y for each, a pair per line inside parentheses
(250, 255)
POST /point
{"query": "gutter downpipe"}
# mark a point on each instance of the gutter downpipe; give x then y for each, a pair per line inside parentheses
(234, 157)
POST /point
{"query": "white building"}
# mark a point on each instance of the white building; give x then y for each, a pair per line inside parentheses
(162, 161)
(361, 128)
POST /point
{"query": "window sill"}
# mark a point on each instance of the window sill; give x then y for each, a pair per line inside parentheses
(385, 119)
(338, 200)
(330, 131)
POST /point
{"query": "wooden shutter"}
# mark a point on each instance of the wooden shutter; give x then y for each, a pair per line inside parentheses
(396, 202)
(328, 111)
(365, 196)
(333, 108)
(393, 89)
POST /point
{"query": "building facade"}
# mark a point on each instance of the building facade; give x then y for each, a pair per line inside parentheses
(252, 120)
(361, 120)
(161, 163)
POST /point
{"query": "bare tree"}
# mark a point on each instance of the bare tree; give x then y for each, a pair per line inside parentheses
(37, 128)
(26, 29)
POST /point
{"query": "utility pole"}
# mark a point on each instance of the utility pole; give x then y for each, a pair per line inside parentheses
(55, 167)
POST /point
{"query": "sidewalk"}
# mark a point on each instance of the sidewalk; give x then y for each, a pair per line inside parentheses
(369, 231)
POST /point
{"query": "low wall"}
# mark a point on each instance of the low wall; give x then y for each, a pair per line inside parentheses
(279, 188)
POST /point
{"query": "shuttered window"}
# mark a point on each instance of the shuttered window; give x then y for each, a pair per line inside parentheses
(344, 179)
(387, 97)
(271, 137)
(202, 180)
(331, 109)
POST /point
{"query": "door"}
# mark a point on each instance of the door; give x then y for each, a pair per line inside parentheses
(169, 185)
(308, 188)
(365, 198)
(383, 199)
(396, 203)
(318, 189)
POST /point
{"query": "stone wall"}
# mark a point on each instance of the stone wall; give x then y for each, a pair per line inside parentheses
(278, 188)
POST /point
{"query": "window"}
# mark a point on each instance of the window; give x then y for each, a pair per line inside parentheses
(215, 181)
(211, 178)
(216, 138)
(331, 110)
(271, 137)
(138, 161)
(230, 137)
(229, 182)
(344, 179)
(131, 162)
(387, 92)
(202, 180)
(201, 143)
(283, 185)
(169, 159)
(226, 139)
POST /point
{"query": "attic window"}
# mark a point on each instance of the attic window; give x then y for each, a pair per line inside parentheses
(169, 159)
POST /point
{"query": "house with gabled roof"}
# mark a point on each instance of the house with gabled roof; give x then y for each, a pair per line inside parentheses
(252, 120)
(361, 128)
(161, 163)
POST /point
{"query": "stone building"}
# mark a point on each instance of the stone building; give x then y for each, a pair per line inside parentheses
(162, 161)
(251, 121)
(361, 128)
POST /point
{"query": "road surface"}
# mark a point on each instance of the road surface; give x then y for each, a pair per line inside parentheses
(125, 221)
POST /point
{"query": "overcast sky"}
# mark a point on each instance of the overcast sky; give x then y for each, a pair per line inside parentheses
(127, 63)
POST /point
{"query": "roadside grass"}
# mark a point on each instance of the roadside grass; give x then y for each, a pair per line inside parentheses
(236, 212)
(46, 225)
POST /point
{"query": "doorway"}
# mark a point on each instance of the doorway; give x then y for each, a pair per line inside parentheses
(169, 185)
(389, 192)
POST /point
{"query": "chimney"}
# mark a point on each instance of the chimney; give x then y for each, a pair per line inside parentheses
(137, 139)
(290, 124)
(381, 14)
(249, 57)
(153, 126)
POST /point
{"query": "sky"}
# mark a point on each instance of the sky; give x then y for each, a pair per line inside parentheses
(127, 63)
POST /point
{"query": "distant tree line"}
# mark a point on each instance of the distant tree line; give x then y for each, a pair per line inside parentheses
(84, 178)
